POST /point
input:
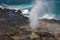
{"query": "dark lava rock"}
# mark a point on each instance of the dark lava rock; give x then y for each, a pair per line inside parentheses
(46, 36)
(51, 21)
(12, 17)
(5, 37)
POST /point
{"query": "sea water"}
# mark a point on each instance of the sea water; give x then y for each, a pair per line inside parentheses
(28, 4)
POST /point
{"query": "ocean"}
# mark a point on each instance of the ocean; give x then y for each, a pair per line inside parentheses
(26, 5)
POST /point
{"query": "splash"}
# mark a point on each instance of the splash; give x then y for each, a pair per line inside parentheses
(34, 15)
(41, 7)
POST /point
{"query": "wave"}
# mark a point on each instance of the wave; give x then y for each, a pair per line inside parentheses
(48, 16)
(16, 6)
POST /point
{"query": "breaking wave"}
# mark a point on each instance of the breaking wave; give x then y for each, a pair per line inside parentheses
(48, 16)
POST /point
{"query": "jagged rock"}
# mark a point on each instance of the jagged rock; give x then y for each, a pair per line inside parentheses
(5, 37)
(46, 36)
(10, 17)
(34, 36)
(51, 21)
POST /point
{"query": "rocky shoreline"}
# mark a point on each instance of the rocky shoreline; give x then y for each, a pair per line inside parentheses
(15, 26)
(11, 17)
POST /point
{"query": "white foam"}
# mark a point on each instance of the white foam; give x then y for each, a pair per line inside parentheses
(48, 16)
(25, 11)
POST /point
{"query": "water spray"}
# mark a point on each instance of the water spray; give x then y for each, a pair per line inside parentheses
(41, 7)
